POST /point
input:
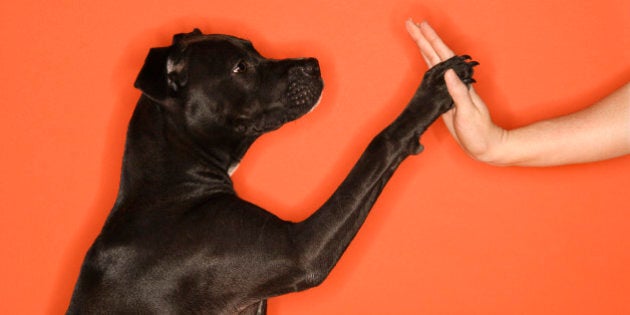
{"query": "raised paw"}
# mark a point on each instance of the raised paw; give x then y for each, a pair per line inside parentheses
(463, 66)
(466, 74)
(431, 100)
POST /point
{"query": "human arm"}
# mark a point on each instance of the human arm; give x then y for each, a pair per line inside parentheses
(600, 131)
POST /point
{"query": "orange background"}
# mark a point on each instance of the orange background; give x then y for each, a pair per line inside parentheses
(448, 236)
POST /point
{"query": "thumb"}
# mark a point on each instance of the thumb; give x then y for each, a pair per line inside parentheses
(458, 91)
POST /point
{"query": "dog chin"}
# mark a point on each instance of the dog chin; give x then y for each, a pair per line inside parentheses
(319, 100)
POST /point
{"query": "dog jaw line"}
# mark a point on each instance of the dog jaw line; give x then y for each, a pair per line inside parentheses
(316, 103)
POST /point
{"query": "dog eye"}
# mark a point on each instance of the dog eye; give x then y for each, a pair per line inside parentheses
(240, 67)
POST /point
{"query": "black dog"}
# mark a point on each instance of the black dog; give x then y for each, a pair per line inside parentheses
(179, 240)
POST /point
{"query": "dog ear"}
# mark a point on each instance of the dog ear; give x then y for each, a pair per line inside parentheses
(163, 72)
(178, 38)
(152, 79)
(164, 69)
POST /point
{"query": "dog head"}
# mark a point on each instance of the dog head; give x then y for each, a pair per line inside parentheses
(220, 83)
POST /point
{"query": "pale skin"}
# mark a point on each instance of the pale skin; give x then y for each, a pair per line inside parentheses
(598, 132)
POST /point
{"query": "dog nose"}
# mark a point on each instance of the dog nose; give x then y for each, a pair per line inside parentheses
(310, 67)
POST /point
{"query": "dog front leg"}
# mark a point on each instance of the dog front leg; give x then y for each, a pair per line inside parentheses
(322, 238)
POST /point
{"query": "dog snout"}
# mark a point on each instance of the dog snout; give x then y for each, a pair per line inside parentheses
(310, 67)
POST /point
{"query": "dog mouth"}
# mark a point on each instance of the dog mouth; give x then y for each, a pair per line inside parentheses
(303, 92)
(303, 95)
(319, 100)
(299, 101)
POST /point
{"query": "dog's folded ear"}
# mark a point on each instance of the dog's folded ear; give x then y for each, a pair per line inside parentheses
(179, 38)
(164, 69)
(152, 79)
(162, 74)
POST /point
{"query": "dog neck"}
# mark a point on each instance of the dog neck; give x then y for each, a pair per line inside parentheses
(160, 159)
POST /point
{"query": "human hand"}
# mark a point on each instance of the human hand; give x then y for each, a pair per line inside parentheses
(469, 121)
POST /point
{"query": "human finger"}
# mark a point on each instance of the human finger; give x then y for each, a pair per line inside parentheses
(438, 46)
(477, 101)
(459, 92)
(429, 54)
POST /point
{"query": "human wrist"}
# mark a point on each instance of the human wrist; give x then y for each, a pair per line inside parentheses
(497, 151)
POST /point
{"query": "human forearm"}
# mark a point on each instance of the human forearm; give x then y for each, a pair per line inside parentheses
(598, 132)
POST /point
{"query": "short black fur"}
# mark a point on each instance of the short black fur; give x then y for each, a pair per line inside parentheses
(179, 240)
